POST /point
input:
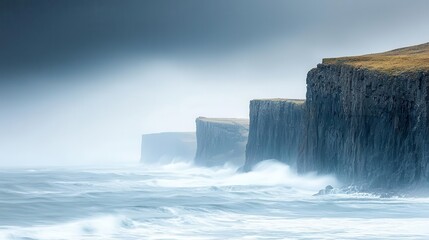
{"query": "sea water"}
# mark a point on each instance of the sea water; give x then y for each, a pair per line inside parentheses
(181, 201)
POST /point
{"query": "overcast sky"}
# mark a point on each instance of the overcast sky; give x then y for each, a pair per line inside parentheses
(80, 81)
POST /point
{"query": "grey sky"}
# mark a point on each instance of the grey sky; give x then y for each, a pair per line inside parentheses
(82, 80)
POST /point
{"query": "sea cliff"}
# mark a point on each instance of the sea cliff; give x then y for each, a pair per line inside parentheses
(221, 140)
(365, 119)
(366, 126)
(276, 127)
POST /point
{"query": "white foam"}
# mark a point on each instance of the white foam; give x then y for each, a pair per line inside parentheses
(271, 202)
(223, 225)
(102, 227)
(266, 173)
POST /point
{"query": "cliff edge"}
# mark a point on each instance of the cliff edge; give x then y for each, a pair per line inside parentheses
(275, 132)
(365, 119)
(368, 118)
(395, 62)
(221, 140)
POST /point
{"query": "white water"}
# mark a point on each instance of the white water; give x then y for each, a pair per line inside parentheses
(180, 201)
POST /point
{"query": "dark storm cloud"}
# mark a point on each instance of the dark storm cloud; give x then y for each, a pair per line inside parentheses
(34, 33)
(81, 80)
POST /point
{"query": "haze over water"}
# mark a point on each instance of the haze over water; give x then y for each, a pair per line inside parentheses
(181, 201)
(82, 80)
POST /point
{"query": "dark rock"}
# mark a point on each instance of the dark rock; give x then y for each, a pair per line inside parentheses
(367, 127)
(221, 140)
(276, 130)
(328, 190)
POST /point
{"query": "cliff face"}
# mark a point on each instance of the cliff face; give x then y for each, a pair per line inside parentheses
(366, 125)
(165, 147)
(365, 120)
(276, 130)
(221, 140)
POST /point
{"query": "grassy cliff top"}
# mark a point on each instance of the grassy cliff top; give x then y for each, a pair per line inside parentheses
(241, 121)
(296, 101)
(408, 59)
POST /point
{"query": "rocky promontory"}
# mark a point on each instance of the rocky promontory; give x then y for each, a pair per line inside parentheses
(276, 129)
(221, 140)
(365, 120)
(368, 118)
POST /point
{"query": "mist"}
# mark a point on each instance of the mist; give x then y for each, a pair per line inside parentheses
(92, 106)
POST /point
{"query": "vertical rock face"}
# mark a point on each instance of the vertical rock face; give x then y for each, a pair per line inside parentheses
(221, 140)
(365, 119)
(165, 147)
(276, 131)
(366, 125)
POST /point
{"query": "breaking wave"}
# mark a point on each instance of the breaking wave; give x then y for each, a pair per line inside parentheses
(182, 201)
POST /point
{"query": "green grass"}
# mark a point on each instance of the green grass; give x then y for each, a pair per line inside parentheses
(409, 59)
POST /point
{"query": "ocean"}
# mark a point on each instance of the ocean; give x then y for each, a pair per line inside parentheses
(182, 201)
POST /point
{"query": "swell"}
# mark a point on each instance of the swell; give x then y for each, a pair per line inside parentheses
(181, 201)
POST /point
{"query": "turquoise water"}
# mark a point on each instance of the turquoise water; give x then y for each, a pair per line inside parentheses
(180, 201)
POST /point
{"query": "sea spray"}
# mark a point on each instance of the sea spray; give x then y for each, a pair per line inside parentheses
(182, 201)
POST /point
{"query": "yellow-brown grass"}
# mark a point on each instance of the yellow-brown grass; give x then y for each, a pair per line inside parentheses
(409, 59)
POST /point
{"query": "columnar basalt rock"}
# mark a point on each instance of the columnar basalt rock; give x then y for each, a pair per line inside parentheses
(367, 126)
(221, 140)
(365, 119)
(276, 130)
